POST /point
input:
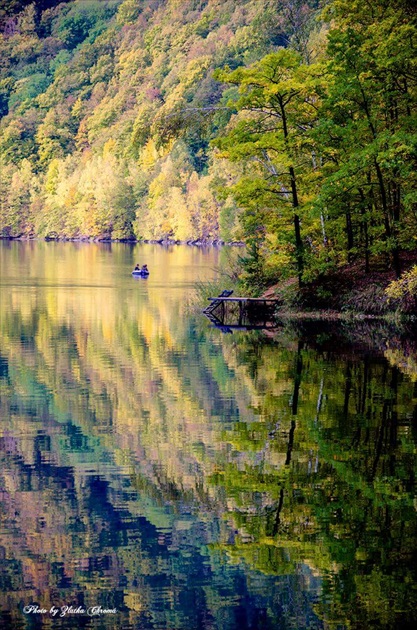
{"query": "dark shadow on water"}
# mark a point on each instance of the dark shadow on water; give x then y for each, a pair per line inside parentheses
(358, 337)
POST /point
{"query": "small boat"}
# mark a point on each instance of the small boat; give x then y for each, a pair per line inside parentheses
(139, 273)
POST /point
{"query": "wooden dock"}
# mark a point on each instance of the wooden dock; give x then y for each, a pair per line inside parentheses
(239, 312)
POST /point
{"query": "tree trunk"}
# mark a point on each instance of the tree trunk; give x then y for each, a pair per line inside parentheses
(349, 235)
(299, 249)
(299, 253)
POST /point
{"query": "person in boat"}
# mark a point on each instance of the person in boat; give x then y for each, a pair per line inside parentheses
(137, 268)
(145, 269)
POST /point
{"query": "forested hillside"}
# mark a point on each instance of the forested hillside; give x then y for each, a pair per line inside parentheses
(290, 125)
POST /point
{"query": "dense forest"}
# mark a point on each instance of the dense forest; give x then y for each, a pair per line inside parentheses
(286, 124)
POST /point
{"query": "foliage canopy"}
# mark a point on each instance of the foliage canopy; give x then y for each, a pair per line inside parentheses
(284, 124)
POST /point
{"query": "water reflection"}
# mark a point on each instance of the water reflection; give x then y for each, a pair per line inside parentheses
(191, 479)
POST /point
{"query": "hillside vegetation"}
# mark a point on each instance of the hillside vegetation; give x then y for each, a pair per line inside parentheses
(288, 125)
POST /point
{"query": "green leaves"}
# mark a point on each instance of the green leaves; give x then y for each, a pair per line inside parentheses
(335, 138)
(271, 136)
(317, 159)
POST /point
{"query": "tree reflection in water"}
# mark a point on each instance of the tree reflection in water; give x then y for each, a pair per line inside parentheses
(197, 480)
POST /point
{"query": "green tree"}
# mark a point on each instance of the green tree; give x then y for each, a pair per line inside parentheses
(278, 109)
(367, 126)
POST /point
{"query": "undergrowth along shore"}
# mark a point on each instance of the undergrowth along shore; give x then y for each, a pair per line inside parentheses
(348, 293)
(351, 290)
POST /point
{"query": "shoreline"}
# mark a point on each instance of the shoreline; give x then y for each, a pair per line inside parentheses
(349, 316)
(127, 241)
(343, 303)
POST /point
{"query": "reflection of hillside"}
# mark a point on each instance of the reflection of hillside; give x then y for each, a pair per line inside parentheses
(138, 387)
(121, 404)
(151, 391)
(125, 364)
(135, 433)
(343, 499)
(396, 342)
(69, 540)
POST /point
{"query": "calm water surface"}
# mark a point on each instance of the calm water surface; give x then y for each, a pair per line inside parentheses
(188, 479)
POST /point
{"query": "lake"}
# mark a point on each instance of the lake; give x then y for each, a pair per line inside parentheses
(157, 472)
